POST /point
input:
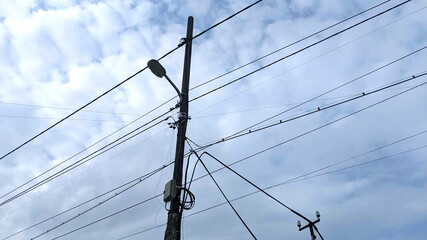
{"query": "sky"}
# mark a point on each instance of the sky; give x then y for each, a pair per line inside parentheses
(55, 56)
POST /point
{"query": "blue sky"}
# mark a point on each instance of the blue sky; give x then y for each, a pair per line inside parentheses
(58, 55)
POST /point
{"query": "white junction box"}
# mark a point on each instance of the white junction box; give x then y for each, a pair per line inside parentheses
(170, 191)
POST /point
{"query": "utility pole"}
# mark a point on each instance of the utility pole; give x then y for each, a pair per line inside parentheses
(312, 226)
(173, 228)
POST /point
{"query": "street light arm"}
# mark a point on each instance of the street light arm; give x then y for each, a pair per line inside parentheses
(173, 85)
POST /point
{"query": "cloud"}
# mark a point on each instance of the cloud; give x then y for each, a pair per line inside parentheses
(63, 54)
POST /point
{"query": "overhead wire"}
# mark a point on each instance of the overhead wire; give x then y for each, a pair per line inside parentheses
(328, 91)
(312, 59)
(226, 19)
(98, 204)
(67, 108)
(327, 124)
(122, 82)
(291, 44)
(224, 74)
(273, 186)
(250, 182)
(90, 146)
(198, 35)
(319, 109)
(70, 119)
(314, 129)
(78, 175)
(274, 146)
(80, 162)
(132, 183)
(299, 51)
(106, 217)
(223, 194)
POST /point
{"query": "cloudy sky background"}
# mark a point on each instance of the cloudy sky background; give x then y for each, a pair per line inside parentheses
(58, 55)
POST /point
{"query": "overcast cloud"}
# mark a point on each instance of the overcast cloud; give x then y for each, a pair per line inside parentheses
(56, 56)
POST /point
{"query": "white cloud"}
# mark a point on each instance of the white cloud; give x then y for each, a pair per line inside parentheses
(63, 54)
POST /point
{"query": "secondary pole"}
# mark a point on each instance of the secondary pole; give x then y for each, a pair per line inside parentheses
(173, 228)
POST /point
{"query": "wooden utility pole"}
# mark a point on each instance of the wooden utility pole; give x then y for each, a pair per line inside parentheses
(173, 228)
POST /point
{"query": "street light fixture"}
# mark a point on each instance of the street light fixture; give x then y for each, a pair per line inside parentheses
(158, 70)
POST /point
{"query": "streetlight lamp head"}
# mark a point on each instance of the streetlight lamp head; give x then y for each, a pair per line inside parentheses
(156, 68)
(299, 224)
(317, 214)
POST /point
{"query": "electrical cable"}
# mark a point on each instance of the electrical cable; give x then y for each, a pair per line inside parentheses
(273, 186)
(119, 84)
(223, 194)
(334, 121)
(291, 44)
(66, 109)
(259, 189)
(317, 230)
(90, 146)
(133, 182)
(226, 19)
(315, 129)
(98, 204)
(319, 109)
(78, 175)
(106, 217)
(80, 162)
(298, 51)
(311, 60)
(284, 105)
(70, 119)
(224, 74)
(329, 91)
(302, 178)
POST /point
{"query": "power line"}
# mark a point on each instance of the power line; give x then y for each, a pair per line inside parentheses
(78, 163)
(298, 51)
(291, 44)
(90, 146)
(285, 104)
(276, 185)
(119, 84)
(132, 183)
(70, 119)
(301, 178)
(274, 146)
(78, 175)
(222, 192)
(254, 185)
(226, 19)
(364, 94)
(312, 59)
(224, 74)
(324, 125)
(106, 217)
(329, 91)
(319, 109)
(98, 204)
(66, 108)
